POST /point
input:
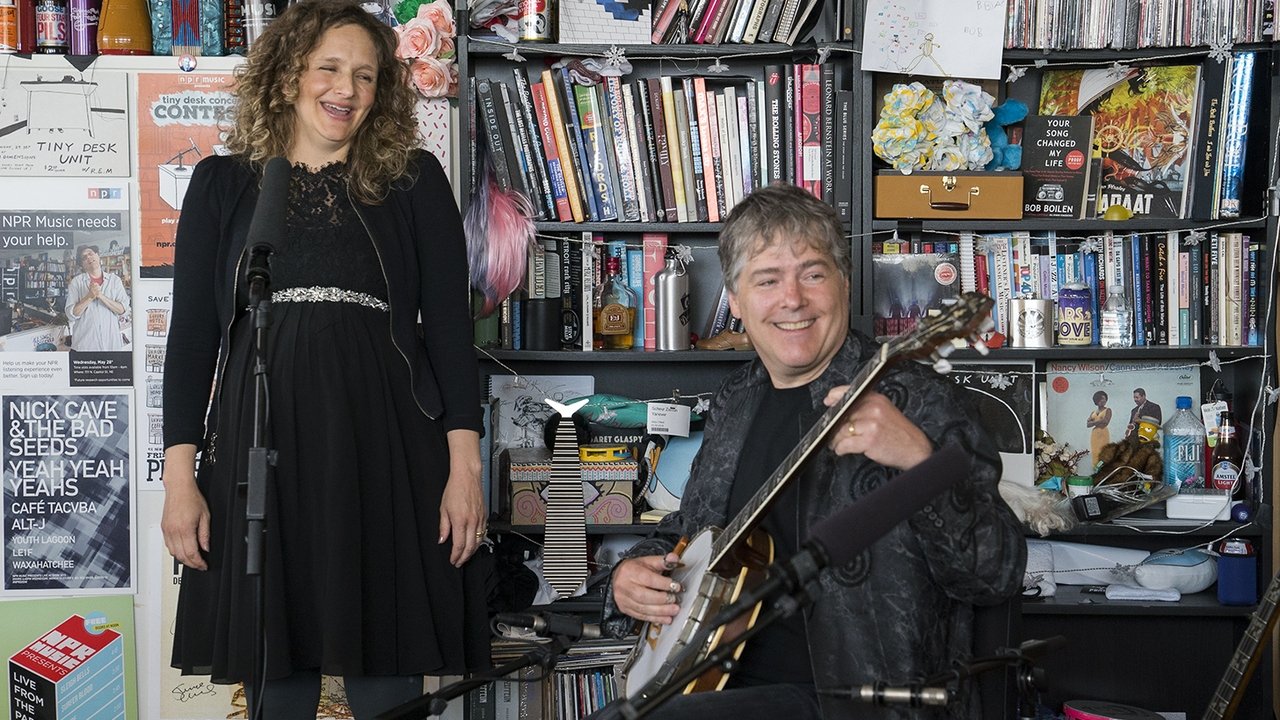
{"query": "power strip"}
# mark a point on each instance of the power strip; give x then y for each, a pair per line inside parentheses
(1199, 504)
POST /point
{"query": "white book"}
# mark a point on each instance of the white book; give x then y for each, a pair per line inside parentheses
(588, 250)
(730, 162)
(744, 146)
(1171, 287)
(629, 110)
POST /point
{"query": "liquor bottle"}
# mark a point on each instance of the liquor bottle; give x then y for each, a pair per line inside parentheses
(124, 28)
(615, 309)
(84, 26)
(1115, 330)
(8, 27)
(1228, 460)
(26, 26)
(51, 27)
(1183, 447)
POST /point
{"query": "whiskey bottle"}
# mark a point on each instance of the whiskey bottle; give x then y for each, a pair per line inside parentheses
(615, 310)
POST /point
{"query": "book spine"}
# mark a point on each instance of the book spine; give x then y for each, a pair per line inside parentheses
(655, 250)
(773, 114)
(1184, 297)
(531, 141)
(597, 151)
(662, 147)
(741, 16)
(752, 125)
(622, 149)
(1211, 300)
(555, 173)
(517, 153)
(827, 85)
(1208, 147)
(695, 149)
(809, 129)
(573, 129)
(1089, 263)
(790, 108)
(1195, 293)
(1149, 290)
(723, 154)
(1160, 284)
(649, 143)
(639, 152)
(570, 295)
(635, 281)
(786, 20)
(770, 22)
(1234, 273)
(673, 151)
(1235, 134)
(564, 149)
(1139, 290)
(663, 14)
(754, 22)
(684, 145)
(1251, 306)
(493, 137)
(745, 132)
(1171, 292)
(709, 152)
(588, 251)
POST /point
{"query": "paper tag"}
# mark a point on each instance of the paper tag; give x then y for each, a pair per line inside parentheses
(668, 419)
(1211, 413)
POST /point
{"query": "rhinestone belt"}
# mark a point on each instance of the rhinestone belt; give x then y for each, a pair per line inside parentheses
(328, 294)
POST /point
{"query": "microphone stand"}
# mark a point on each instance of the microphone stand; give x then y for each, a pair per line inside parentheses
(792, 587)
(260, 474)
(431, 704)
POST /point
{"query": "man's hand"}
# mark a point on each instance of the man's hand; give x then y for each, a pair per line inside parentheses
(643, 591)
(876, 428)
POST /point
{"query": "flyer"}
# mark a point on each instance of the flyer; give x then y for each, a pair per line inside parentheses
(63, 122)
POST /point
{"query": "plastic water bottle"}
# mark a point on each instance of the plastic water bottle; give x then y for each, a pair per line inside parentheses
(1116, 330)
(1184, 448)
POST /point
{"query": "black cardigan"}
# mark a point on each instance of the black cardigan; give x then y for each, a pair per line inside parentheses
(417, 232)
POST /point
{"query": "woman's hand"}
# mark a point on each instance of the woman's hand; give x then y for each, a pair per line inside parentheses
(876, 428)
(462, 507)
(642, 590)
(185, 519)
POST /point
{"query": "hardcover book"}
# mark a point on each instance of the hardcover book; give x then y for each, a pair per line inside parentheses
(1055, 165)
(1143, 123)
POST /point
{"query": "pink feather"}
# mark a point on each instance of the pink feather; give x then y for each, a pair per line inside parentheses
(499, 230)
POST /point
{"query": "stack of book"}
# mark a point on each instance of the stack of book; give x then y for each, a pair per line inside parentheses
(665, 149)
(1070, 24)
(737, 21)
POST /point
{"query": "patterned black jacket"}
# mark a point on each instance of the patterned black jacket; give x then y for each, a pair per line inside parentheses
(903, 610)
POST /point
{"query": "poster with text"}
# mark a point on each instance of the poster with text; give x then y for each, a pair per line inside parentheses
(68, 507)
(66, 283)
(179, 118)
(934, 37)
(63, 122)
(155, 297)
(69, 658)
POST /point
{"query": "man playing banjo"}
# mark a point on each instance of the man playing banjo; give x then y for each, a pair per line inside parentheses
(904, 610)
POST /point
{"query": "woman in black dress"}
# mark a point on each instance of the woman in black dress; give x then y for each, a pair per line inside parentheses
(375, 509)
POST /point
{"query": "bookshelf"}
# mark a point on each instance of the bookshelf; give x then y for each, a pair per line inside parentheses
(1196, 637)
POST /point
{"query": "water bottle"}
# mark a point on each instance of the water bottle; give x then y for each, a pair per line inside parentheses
(672, 304)
(1116, 330)
(1184, 448)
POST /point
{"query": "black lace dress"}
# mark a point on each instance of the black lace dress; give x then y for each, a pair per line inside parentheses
(356, 583)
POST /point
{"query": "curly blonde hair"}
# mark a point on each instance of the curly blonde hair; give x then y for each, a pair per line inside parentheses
(267, 87)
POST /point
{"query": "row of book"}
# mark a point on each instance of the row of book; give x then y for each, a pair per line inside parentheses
(1075, 24)
(582, 682)
(665, 149)
(1183, 288)
(735, 21)
(1161, 142)
(562, 273)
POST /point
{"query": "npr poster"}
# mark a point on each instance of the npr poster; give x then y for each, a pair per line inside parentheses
(63, 122)
(179, 122)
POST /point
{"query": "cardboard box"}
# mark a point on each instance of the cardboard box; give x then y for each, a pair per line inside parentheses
(607, 488)
(953, 196)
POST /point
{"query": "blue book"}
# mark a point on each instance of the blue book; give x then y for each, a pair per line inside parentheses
(635, 281)
(573, 130)
(597, 158)
(1235, 131)
(1251, 302)
(1090, 263)
(1139, 294)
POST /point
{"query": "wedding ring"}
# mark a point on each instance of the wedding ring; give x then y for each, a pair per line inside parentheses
(480, 533)
(852, 427)
(674, 586)
(671, 598)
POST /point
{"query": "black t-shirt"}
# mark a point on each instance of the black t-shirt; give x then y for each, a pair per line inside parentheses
(780, 653)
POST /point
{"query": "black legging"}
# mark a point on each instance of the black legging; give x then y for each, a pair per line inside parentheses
(297, 696)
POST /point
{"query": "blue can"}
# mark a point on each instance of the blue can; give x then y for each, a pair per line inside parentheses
(1075, 315)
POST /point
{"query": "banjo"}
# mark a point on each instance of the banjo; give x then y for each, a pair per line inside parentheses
(723, 564)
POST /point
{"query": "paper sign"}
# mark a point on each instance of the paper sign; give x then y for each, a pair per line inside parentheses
(668, 419)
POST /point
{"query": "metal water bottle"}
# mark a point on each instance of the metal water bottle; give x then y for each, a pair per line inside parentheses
(672, 304)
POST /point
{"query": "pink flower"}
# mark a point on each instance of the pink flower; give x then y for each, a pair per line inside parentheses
(446, 49)
(434, 78)
(418, 39)
(440, 14)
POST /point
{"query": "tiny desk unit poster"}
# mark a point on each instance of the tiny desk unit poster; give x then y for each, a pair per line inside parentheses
(63, 122)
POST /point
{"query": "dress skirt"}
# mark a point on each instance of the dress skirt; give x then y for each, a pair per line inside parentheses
(356, 582)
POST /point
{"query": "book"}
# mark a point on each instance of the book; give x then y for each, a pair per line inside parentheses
(1235, 134)
(691, 176)
(551, 151)
(808, 129)
(1206, 177)
(639, 146)
(523, 178)
(696, 180)
(531, 141)
(655, 250)
(598, 162)
(495, 145)
(564, 149)
(843, 190)
(674, 131)
(1055, 167)
(627, 172)
(708, 140)
(1070, 392)
(1142, 123)
(573, 131)
(656, 92)
(774, 125)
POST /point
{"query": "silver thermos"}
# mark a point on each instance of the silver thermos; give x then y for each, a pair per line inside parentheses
(671, 286)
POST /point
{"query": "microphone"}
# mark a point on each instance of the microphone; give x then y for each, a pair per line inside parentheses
(545, 624)
(268, 218)
(1035, 649)
(881, 694)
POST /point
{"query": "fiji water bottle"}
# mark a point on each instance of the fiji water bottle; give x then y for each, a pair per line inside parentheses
(1184, 448)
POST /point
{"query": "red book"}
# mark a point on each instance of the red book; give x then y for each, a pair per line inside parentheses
(710, 147)
(809, 129)
(655, 250)
(555, 168)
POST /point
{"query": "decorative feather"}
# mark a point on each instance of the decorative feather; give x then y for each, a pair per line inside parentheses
(499, 230)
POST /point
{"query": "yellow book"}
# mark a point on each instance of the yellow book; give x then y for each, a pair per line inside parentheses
(677, 170)
(562, 147)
